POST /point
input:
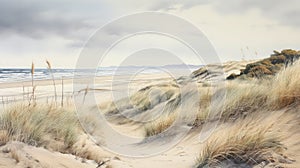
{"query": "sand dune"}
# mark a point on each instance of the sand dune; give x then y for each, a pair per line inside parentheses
(256, 125)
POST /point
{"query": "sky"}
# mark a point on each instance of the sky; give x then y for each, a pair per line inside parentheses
(58, 30)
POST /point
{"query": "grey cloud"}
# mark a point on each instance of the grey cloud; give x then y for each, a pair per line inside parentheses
(69, 18)
(285, 12)
(171, 4)
(37, 19)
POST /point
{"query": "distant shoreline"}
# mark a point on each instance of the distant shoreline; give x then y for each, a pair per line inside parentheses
(12, 75)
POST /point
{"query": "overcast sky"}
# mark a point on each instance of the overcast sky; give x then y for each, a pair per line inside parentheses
(32, 30)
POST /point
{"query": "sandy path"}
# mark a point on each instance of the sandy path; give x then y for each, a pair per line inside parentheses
(181, 155)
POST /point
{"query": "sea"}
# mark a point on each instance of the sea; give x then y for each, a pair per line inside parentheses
(23, 74)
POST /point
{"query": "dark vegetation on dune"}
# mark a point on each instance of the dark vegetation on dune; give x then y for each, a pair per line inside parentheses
(269, 66)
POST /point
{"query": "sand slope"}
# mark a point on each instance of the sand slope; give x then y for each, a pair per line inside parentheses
(17, 154)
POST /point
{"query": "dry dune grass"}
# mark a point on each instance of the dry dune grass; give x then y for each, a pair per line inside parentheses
(243, 97)
(285, 88)
(258, 133)
(142, 100)
(151, 96)
(240, 99)
(159, 125)
(172, 108)
(4, 137)
(40, 125)
(49, 126)
(155, 95)
(279, 92)
(252, 141)
(252, 131)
